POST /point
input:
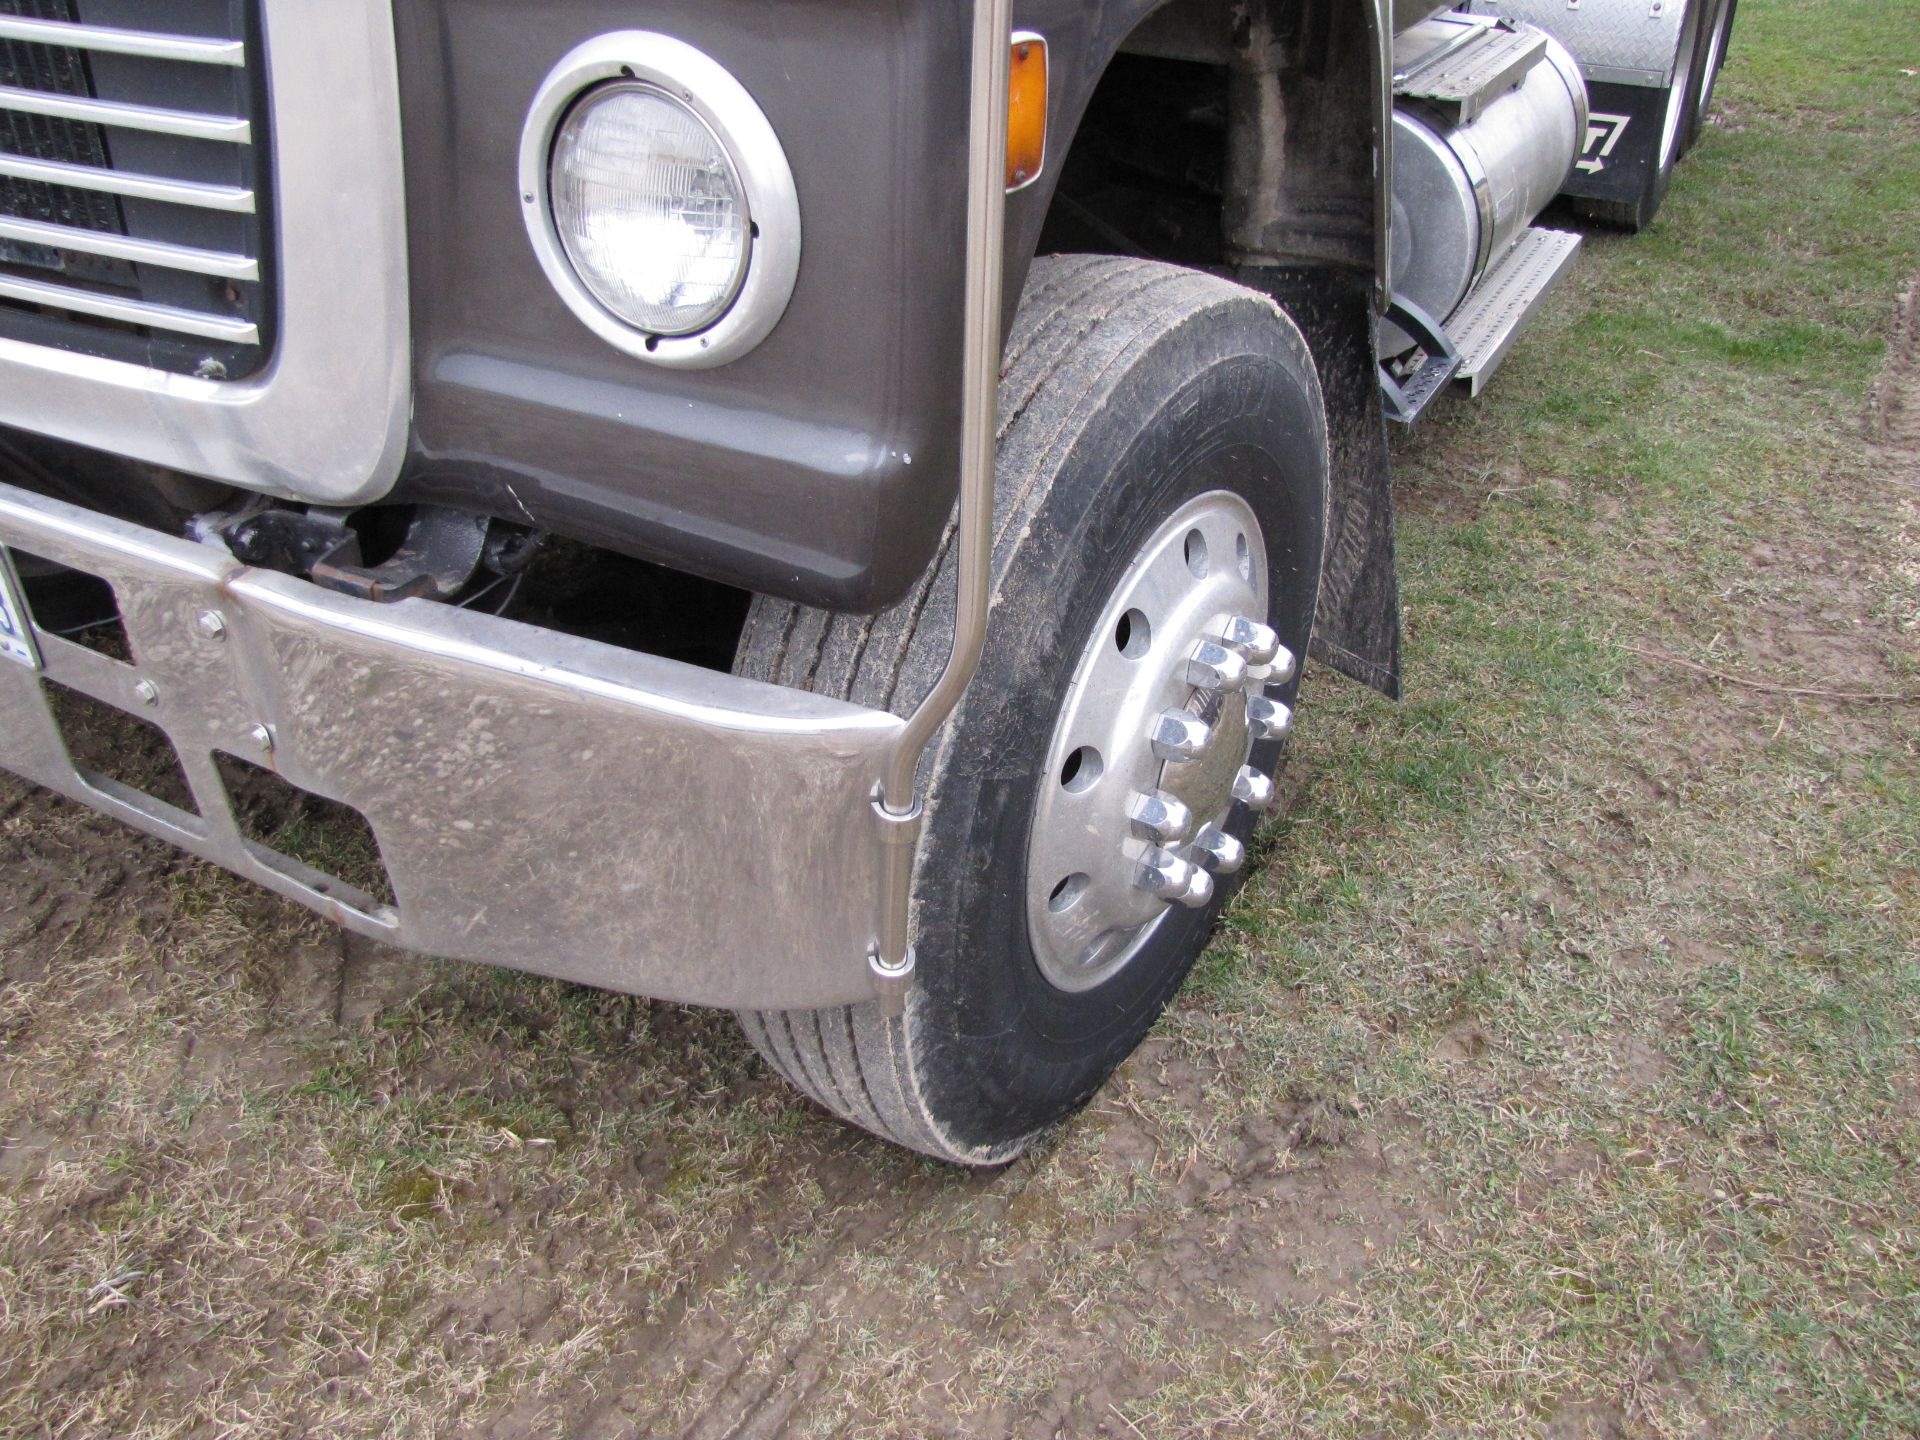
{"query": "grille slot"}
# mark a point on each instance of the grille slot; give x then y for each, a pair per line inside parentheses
(133, 179)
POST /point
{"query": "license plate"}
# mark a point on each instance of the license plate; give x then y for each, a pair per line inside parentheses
(16, 632)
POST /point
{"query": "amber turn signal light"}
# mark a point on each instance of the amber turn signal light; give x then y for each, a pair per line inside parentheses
(1027, 110)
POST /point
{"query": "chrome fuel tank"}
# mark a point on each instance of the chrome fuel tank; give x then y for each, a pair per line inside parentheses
(1463, 193)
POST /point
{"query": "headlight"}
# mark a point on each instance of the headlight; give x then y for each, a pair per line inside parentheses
(648, 209)
(659, 200)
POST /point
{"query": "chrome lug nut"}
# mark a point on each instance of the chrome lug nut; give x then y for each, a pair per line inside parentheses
(1283, 667)
(1268, 719)
(1157, 816)
(1253, 789)
(1212, 666)
(1199, 890)
(1257, 644)
(1177, 735)
(1218, 851)
(1165, 874)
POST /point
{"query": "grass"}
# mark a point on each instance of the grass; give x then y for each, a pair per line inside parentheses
(1557, 1073)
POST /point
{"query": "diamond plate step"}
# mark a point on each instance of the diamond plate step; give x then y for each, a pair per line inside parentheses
(1497, 310)
(1466, 79)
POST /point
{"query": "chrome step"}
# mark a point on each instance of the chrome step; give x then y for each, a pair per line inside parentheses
(1493, 315)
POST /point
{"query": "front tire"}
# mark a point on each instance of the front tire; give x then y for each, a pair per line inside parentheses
(1141, 406)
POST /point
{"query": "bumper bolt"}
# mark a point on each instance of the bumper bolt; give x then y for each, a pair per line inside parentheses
(212, 624)
(1268, 719)
(1218, 851)
(1253, 789)
(1212, 666)
(1159, 817)
(1177, 735)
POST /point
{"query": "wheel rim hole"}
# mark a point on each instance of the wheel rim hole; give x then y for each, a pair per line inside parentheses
(1082, 769)
(1243, 556)
(1133, 636)
(1067, 892)
(1197, 554)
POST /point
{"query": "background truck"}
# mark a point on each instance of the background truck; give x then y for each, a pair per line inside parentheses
(812, 510)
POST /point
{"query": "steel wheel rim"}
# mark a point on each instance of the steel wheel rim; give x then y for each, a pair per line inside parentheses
(1089, 911)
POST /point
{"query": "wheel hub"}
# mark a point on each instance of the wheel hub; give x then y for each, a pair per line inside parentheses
(1149, 755)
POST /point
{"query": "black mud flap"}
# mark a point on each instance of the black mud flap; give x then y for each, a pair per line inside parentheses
(1621, 159)
(1357, 626)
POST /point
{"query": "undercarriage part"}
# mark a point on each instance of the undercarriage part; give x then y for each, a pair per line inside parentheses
(440, 555)
(1488, 123)
(427, 551)
(1408, 387)
(397, 552)
(288, 539)
(98, 480)
(1303, 140)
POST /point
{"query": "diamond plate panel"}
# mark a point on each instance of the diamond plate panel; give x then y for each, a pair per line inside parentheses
(1625, 42)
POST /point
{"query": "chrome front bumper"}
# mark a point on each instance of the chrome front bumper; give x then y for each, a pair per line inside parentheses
(540, 801)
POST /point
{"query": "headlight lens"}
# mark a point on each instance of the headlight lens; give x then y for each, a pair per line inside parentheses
(648, 209)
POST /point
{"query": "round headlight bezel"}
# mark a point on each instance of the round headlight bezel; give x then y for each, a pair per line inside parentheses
(720, 102)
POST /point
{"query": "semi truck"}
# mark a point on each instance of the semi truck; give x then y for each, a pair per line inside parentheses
(814, 510)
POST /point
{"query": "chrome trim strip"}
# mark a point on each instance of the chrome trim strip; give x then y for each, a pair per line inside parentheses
(110, 41)
(131, 312)
(230, 199)
(897, 801)
(124, 247)
(326, 422)
(1460, 143)
(539, 800)
(153, 119)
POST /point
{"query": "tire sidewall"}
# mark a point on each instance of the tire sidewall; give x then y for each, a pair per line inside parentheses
(1225, 401)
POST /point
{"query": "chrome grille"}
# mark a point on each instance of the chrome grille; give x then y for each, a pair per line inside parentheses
(132, 182)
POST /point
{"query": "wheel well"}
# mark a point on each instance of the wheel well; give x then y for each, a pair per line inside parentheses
(1146, 172)
(1242, 134)
(1229, 133)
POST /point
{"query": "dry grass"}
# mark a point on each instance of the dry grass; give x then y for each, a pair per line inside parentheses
(1556, 1075)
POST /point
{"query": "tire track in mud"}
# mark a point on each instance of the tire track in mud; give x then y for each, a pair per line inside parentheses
(752, 1394)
